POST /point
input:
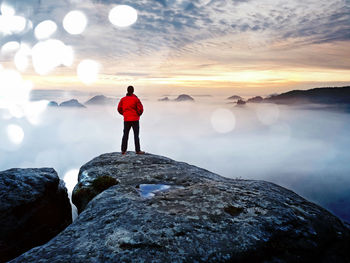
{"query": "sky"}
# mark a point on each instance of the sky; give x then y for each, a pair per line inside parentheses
(248, 47)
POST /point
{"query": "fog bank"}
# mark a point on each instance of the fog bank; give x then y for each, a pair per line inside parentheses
(302, 149)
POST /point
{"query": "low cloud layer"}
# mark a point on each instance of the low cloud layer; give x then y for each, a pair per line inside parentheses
(305, 150)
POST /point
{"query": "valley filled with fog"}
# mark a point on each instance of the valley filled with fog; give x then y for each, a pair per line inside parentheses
(302, 148)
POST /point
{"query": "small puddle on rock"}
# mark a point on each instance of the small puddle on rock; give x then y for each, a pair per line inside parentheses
(149, 190)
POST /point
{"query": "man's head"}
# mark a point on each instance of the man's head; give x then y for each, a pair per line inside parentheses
(130, 90)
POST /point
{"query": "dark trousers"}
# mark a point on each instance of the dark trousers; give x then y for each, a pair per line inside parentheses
(136, 128)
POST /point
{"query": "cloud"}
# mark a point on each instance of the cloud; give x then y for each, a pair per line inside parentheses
(173, 35)
(303, 149)
(175, 23)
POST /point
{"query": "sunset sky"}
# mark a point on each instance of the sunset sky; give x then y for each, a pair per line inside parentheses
(202, 46)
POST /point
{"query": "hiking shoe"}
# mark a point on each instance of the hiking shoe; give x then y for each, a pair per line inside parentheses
(140, 152)
(123, 153)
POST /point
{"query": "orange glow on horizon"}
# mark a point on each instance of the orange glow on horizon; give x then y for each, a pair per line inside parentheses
(247, 78)
(274, 69)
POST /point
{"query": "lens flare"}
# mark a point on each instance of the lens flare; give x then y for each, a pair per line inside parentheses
(75, 22)
(123, 16)
(5, 115)
(33, 111)
(45, 29)
(21, 61)
(49, 54)
(71, 179)
(16, 111)
(15, 133)
(88, 71)
(68, 56)
(13, 90)
(10, 47)
(21, 58)
(223, 120)
(10, 78)
(14, 96)
(12, 24)
(7, 10)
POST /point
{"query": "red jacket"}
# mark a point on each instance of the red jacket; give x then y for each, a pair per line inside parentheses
(130, 107)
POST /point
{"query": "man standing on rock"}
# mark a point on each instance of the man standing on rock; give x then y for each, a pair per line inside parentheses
(131, 108)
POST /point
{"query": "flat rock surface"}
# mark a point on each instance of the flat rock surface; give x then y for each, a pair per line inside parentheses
(34, 207)
(190, 215)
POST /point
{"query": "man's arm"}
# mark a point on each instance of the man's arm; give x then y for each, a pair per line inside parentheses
(120, 107)
(139, 108)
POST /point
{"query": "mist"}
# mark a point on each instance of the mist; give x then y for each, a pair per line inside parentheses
(303, 149)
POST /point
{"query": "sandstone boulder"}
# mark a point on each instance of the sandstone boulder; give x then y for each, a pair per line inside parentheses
(155, 209)
(34, 207)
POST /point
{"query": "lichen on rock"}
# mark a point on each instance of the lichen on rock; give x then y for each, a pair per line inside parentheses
(83, 193)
